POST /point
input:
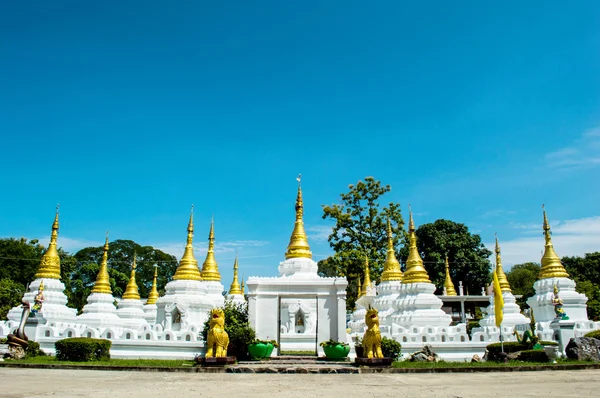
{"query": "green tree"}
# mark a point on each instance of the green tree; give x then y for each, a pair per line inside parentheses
(360, 230)
(19, 259)
(467, 255)
(586, 273)
(521, 278)
(11, 293)
(237, 327)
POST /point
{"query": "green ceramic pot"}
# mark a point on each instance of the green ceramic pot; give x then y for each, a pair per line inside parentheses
(336, 351)
(258, 350)
(270, 350)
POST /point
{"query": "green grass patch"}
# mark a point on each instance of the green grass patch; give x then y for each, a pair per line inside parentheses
(163, 363)
(299, 353)
(442, 364)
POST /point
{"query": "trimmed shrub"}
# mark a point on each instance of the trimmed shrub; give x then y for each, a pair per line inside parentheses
(237, 327)
(33, 350)
(593, 335)
(82, 349)
(533, 356)
(390, 348)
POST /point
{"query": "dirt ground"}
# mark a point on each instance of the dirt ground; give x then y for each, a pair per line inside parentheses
(110, 384)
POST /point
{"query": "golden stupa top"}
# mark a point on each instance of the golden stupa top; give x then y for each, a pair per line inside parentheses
(366, 285)
(415, 271)
(50, 262)
(102, 284)
(450, 291)
(153, 295)
(132, 291)
(243, 284)
(210, 268)
(551, 265)
(504, 285)
(298, 246)
(188, 265)
(359, 289)
(391, 267)
(235, 287)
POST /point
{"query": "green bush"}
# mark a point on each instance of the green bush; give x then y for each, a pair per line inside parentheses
(593, 335)
(471, 325)
(33, 350)
(390, 348)
(533, 356)
(237, 327)
(82, 349)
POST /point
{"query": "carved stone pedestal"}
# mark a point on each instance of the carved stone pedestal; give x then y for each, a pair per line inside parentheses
(217, 361)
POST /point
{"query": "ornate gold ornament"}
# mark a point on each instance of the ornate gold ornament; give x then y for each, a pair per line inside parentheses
(551, 265)
(218, 339)
(132, 291)
(391, 267)
(415, 272)
(235, 285)
(50, 263)
(210, 268)
(153, 295)
(450, 291)
(188, 266)
(504, 285)
(298, 246)
(372, 337)
(102, 284)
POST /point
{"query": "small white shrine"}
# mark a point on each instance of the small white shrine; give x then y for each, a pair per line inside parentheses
(299, 309)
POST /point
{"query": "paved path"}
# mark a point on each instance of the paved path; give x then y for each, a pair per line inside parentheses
(15, 382)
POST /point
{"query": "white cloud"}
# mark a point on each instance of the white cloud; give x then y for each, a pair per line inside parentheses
(319, 233)
(71, 245)
(200, 249)
(584, 152)
(570, 238)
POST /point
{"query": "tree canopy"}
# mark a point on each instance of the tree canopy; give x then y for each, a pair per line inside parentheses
(467, 255)
(360, 231)
(586, 273)
(521, 278)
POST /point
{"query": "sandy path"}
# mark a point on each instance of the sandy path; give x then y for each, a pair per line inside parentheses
(106, 384)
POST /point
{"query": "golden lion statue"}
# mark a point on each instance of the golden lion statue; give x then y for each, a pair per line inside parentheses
(218, 339)
(372, 338)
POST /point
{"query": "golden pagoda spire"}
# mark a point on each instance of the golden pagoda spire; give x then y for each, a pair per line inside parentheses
(551, 265)
(504, 285)
(450, 291)
(210, 268)
(243, 284)
(298, 246)
(415, 272)
(50, 262)
(391, 267)
(153, 295)
(102, 284)
(188, 266)
(235, 285)
(132, 291)
(359, 289)
(367, 282)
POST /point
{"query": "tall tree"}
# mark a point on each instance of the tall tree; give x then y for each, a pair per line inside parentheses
(19, 259)
(521, 278)
(467, 255)
(359, 231)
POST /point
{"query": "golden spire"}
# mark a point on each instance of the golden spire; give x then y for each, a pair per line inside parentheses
(359, 289)
(188, 266)
(210, 268)
(504, 285)
(235, 285)
(243, 284)
(50, 262)
(298, 246)
(391, 267)
(415, 272)
(551, 265)
(153, 295)
(450, 291)
(102, 284)
(132, 291)
(367, 282)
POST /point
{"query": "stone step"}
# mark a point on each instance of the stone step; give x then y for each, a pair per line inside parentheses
(292, 369)
(290, 363)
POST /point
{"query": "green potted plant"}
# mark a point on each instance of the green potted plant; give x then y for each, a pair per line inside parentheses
(272, 345)
(260, 349)
(335, 349)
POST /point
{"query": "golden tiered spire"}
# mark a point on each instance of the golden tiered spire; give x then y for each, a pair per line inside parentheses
(243, 284)
(367, 282)
(153, 295)
(50, 262)
(551, 265)
(210, 268)
(235, 285)
(391, 267)
(359, 289)
(504, 285)
(132, 291)
(188, 266)
(102, 284)
(298, 246)
(450, 291)
(415, 272)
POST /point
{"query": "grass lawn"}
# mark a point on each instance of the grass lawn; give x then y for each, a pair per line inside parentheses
(163, 363)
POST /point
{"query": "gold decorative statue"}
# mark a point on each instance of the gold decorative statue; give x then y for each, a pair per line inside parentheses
(218, 339)
(372, 338)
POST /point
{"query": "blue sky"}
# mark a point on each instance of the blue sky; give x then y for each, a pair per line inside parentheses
(126, 114)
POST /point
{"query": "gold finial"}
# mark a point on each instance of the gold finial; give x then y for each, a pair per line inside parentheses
(188, 266)
(153, 295)
(391, 267)
(210, 268)
(50, 263)
(551, 265)
(359, 289)
(504, 285)
(367, 282)
(450, 291)
(298, 246)
(132, 291)
(415, 272)
(102, 284)
(235, 285)
(243, 284)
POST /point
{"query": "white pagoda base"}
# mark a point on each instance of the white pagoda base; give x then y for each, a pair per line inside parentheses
(100, 311)
(511, 313)
(416, 305)
(387, 294)
(132, 314)
(54, 307)
(150, 312)
(184, 306)
(574, 303)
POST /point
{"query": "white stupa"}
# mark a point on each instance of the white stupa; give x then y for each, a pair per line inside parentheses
(131, 308)
(150, 308)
